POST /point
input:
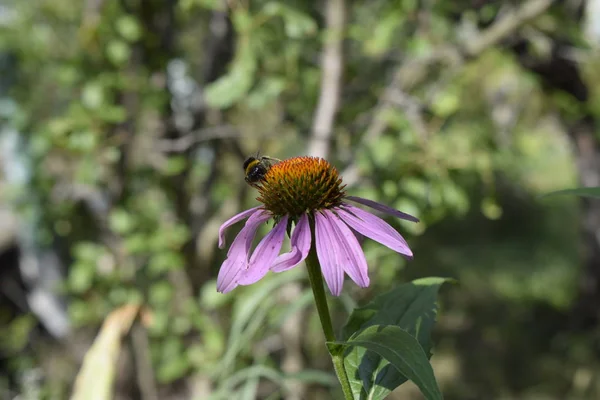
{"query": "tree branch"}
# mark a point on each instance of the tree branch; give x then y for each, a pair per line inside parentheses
(414, 72)
(184, 143)
(332, 63)
(508, 24)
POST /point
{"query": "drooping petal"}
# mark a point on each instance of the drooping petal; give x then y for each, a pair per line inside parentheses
(300, 243)
(229, 271)
(383, 208)
(249, 230)
(328, 253)
(237, 256)
(374, 227)
(231, 221)
(352, 257)
(264, 254)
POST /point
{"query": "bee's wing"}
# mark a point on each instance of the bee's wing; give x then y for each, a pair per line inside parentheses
(272, 160)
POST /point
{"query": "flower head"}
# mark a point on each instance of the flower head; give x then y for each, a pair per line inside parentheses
(304, 194)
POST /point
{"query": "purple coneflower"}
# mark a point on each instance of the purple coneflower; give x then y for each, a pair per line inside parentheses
(306, 192)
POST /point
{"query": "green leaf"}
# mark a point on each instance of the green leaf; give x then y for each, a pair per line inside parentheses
(297, 23)
(401, 350)
(121, 221)
(16, 335)
(173, 363)
(81, 277)
(267, 91)
(112, 113)
(129, 28)
(164, 261)
(233, 86)
(92, 95)
(175, 166)
(160, 293)
(412, 307)
(381, 38)
(118, 52)
(584, 192)
(446, 103)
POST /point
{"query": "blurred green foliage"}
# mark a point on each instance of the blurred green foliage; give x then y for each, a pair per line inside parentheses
(105, 94)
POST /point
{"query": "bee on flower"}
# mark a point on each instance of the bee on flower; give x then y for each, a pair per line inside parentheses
(305, 195)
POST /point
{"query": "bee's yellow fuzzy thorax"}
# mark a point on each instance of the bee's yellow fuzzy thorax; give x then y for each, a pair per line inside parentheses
(251, 165)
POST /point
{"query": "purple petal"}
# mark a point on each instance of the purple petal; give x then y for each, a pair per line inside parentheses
(383, 208)
(264, 254)
(300, 243)
(237, 256)
(328, 254)
(352, 257)
(359, 236)
(252, 224)
(374, 227)
(230, 270)
(231, 221)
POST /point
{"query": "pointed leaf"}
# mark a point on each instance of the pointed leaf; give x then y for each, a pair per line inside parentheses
(97, 374)
(412, 307)
(583, 191)
(403, 353)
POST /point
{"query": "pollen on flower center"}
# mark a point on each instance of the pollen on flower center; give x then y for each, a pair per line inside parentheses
(299, 185)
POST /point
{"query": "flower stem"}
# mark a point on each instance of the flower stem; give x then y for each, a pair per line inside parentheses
(316, 282)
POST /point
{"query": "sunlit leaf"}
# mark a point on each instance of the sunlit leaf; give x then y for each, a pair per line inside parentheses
(118, 52)
(231, 87)
(411, 307)
(297, 23)
(403, 353)
(96, 376)
(129, 28)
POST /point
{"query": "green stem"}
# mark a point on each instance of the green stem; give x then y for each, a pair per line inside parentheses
(316, 282)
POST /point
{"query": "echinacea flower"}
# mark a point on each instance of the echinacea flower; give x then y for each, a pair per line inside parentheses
(306, 193)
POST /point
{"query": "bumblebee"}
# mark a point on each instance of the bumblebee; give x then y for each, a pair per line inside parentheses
(256, 168)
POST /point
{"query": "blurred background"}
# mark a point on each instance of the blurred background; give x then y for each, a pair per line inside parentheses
(123, 128)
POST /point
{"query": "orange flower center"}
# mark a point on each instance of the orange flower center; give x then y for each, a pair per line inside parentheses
(300, 185)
